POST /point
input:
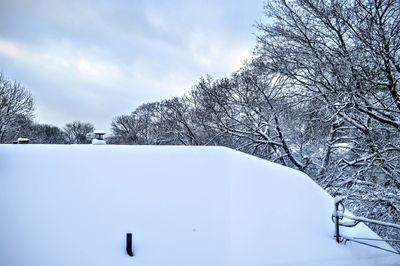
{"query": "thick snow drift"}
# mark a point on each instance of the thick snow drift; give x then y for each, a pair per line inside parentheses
(73, 205)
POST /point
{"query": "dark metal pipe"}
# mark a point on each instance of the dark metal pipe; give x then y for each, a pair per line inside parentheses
(129, 249)
(337, 222)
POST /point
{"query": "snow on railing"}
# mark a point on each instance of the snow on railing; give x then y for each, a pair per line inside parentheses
(351, 221)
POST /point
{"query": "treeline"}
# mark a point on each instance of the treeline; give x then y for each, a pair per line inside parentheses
(321, 95)
(16, 119)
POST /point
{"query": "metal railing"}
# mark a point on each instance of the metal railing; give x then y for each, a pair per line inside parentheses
(339, 214)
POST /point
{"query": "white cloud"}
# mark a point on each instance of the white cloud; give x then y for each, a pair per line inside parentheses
(218, 54)
(101, 60)
(9, 49)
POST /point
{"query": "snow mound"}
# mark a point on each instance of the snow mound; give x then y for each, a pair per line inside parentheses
(73, 205)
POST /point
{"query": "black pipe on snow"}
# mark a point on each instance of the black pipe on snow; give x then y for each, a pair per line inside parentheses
(129, 249)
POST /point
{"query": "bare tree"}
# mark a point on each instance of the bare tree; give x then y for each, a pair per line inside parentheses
(15, 102)
(342, 58)
(76, 132)
(135, 128)
(47, 134)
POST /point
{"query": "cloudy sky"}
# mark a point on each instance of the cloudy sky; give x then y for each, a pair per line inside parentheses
(93, 60)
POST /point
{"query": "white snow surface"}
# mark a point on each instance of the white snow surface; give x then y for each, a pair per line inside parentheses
(72, 205)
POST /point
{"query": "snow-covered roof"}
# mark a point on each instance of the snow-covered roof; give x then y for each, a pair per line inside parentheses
(73, 205)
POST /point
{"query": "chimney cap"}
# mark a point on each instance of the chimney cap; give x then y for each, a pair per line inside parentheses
(99, 132)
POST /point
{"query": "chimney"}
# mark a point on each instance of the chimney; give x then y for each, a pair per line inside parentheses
(99, 137)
